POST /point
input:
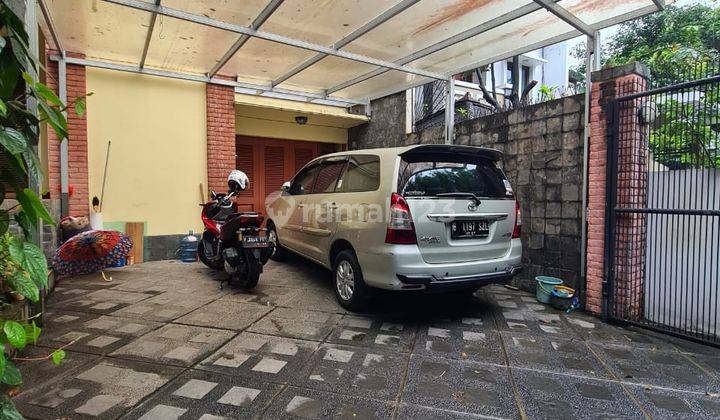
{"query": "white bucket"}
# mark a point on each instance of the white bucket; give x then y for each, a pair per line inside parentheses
(96, 221)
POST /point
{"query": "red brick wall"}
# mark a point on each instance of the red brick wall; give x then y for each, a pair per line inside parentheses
(220, 135)
(77, 140)
(604, 89)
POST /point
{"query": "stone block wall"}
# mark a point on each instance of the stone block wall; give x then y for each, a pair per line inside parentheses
(543, 159)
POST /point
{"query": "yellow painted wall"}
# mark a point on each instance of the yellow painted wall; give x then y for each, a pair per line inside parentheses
(279, 124)
(158, 155)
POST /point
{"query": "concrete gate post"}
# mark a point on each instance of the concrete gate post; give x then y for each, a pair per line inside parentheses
(630, 229)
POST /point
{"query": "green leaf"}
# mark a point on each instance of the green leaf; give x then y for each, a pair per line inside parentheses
(12, 375)
(35, 208)
(35, 264)
(15, 334)
(13, 140)
(4, 221)
(80, 107)
(28, 80)
(8, 410)
(16, 250)
(58, 356)
(22, 220)
(32, 331)
(3, 360)
(3, 107)
(45, 93)
(34, 167)
(22, 284)
(53, 117)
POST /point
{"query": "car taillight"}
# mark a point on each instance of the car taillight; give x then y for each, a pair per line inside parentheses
(401, 229)
(518, 221)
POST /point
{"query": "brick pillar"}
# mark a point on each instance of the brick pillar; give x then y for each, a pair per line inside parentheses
(220, 102)
(630, 233)
(79, 203)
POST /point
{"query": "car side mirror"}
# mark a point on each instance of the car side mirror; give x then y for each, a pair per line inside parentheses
(286, 186)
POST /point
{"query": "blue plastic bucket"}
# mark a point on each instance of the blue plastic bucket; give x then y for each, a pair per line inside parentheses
(544, 288)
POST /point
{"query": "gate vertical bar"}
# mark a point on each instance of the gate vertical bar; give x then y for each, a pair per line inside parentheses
(611, 199)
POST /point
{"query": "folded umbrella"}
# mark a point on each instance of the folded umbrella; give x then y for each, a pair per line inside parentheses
(90, 252)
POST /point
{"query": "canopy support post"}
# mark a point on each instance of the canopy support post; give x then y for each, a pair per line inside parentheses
(450, 111)
(64, 184)
(592, 63)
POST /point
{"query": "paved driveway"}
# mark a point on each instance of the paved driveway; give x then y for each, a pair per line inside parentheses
(163, 341)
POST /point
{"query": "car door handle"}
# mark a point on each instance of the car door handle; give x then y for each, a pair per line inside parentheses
(301, 205)
(332, 206)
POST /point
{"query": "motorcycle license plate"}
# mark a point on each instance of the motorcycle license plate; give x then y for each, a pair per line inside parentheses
(255, 241)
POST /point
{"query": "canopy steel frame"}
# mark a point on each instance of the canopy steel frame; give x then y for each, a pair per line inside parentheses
(566, 16)
(256, 24)
(148, 37)
(465, 35)
(377, 21)
(267, 36)
(51, 26)
(258, 89)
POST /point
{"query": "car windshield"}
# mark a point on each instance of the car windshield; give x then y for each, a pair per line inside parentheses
(479, 177)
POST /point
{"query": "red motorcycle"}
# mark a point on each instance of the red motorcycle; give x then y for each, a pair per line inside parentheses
(232, 241)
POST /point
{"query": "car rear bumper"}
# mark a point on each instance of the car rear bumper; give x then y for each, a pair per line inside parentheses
(401, 267)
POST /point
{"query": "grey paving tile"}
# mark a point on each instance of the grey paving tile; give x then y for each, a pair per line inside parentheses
(95, 333)
(593, 329)
(317, 299)
(196, 393)
(166, 306)
(102, 301)
(553, 396)
(467, 338)
(362, 372)
(655, 367)
(175, 344)
(261, 357)
(417, 412)
(541, 352)
(36, 373)
(461, 386)
(106, 389)
(296, 323)
(226, 314)
(665, 404)
(309, 404)
(375, 332)
(264, 294)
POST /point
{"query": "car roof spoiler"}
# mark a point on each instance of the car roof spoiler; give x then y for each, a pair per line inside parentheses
(438, 150)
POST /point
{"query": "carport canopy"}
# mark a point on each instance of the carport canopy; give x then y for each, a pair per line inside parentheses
(329, 52)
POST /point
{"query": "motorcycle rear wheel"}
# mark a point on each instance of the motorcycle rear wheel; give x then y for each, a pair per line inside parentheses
(215, 265)
(250, 279)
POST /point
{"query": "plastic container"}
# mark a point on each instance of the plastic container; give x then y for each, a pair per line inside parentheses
(544, 287)
(188, 248)
(561, 297)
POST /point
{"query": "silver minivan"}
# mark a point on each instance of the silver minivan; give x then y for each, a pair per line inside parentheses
(425, 217)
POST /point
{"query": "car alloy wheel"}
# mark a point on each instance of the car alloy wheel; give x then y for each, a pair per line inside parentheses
(345, 280)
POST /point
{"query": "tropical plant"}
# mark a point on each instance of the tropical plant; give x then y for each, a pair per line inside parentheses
(23, 267)
(547, 93)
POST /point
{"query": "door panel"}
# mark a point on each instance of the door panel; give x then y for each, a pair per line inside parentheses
(270, 162)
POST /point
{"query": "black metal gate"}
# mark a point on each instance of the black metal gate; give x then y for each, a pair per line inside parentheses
(662, 239)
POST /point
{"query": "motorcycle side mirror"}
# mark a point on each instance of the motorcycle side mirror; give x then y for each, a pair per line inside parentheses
(213, 195)
(286, 186)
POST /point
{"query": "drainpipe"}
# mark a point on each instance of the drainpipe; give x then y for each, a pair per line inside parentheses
(450, 111)
(592, 63)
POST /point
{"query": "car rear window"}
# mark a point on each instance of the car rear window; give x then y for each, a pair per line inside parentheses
(428, 178)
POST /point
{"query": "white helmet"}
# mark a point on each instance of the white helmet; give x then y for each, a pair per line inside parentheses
(237, 181)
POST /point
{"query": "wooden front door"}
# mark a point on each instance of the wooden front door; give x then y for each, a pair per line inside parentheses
(270, 162)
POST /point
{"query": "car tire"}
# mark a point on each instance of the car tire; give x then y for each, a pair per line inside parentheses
(351, 291)
(279, 253)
